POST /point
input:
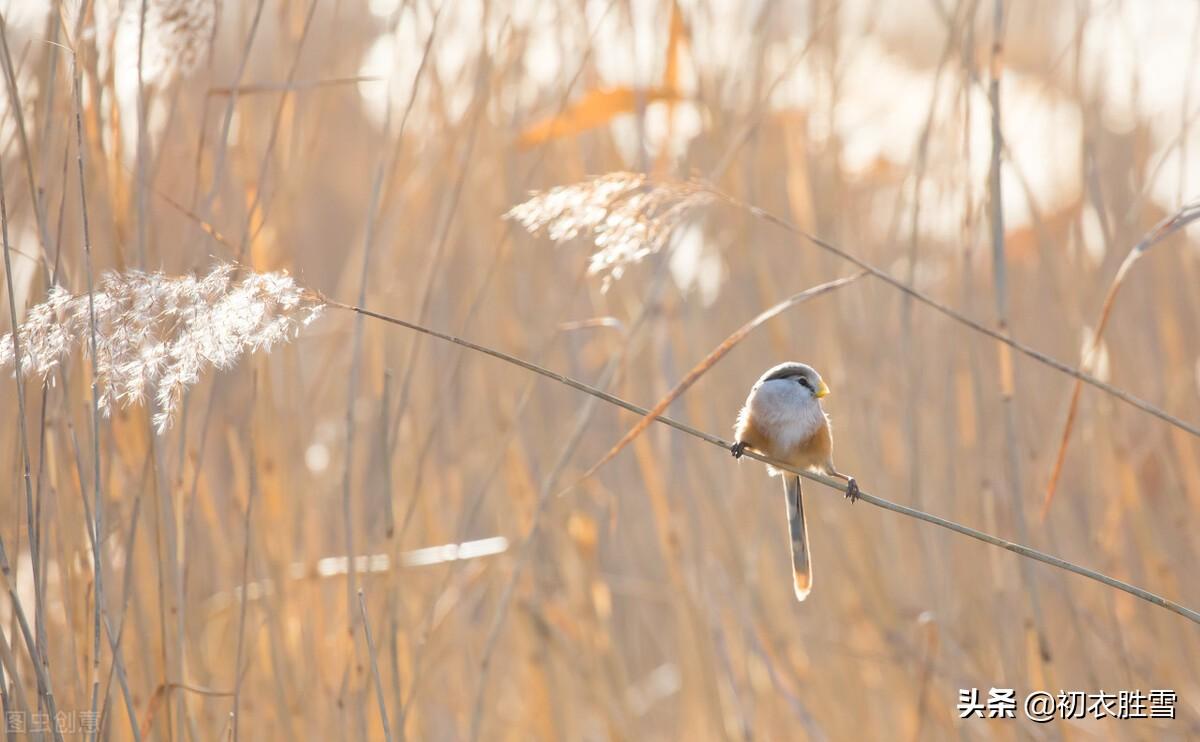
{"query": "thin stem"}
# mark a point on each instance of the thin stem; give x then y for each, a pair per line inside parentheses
(97, 500)
(961, 318)
(1187, 214)
(117, 666)
(230, 108)
(241, 633)
(1008, 382)
(836, 484)
(526, 549)
(362, 609)
(15, 112)
(711, 359)
(36, 649)
(22, 427)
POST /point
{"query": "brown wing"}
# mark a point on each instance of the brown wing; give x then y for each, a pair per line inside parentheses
(747, 432)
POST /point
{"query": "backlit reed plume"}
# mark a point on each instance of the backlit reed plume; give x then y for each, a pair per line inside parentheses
(173, 42)
(155, 334)
(627, 215)
(167, 40)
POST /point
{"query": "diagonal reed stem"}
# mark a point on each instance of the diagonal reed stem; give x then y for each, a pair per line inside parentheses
(1187, 214)
(961, 318)
(708, 362)
(986, 538)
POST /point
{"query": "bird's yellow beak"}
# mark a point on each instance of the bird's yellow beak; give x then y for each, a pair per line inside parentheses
(822, 390)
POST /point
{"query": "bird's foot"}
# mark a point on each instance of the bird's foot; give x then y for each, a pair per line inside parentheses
(852, 490)
(737, 449)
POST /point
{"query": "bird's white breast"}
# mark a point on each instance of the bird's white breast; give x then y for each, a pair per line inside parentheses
(786, 413)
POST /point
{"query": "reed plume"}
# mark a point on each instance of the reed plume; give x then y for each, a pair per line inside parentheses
(628, 216)
(174, 40)
(155, 334)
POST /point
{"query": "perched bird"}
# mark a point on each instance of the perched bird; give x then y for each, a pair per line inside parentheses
(783, 419)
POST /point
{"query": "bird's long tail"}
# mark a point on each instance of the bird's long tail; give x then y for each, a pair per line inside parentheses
(801, 566)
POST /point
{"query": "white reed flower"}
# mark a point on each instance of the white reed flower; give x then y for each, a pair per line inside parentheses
(155, 334)
(627, 216)
(171, 44)
(174, 43)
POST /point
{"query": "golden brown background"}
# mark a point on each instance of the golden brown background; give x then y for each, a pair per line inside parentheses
(654, 601)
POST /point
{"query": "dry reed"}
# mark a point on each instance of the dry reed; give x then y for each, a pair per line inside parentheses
(156, 334)
(203, 580)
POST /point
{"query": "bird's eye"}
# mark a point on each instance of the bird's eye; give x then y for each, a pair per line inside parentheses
(803, 382)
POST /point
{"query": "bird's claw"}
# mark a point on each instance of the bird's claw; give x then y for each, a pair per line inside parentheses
(737, 449)
(852, 490)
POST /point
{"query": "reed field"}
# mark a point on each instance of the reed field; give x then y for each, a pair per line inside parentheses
(247, 496)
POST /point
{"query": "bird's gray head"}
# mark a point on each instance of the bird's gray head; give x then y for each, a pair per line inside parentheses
(809, 383)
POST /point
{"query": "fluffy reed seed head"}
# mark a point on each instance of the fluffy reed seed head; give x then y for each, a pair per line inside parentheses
(155, 334)
(628, 216)
(175, 42)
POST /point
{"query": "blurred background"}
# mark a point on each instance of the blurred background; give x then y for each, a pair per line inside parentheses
(371, 149)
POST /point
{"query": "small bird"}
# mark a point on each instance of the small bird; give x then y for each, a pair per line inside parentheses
(783, 419)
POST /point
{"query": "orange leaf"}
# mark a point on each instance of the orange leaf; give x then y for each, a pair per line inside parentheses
(593, 109)
(671, 78)
(674, 42)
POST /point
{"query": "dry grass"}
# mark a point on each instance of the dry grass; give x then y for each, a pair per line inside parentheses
(653, 601)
